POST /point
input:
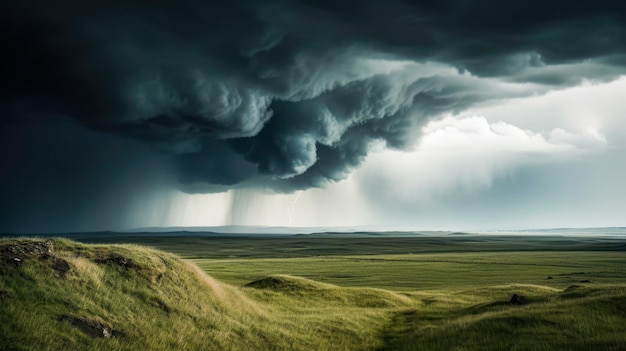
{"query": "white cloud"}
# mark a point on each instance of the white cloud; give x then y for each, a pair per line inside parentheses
(468, 154)
(595, 106)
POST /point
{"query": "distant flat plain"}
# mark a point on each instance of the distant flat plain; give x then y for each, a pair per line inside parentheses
(210, 245)
(398, 260)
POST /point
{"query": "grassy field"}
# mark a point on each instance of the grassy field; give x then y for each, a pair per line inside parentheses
(194, 245)
(460, 300)
(432, 271)
(64, 295)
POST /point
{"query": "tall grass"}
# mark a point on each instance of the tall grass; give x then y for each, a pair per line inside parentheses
(160, 302)
(152, 300)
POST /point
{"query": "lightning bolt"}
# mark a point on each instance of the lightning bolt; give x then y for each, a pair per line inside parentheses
(292, 208)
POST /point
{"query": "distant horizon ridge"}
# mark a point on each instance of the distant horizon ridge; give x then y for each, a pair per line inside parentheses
(287, 230)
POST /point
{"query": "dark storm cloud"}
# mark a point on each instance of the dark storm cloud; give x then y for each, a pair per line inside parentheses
(58, 176)
(290, 94)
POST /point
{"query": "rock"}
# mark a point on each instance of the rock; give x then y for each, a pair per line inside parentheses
(15, 254)
(119, 260)
(549, 278)
(91, 327)
(61, 266)
(518, 299)
(585, 281)
(32, 249)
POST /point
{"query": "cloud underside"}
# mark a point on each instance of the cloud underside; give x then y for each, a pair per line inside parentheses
(292, 95)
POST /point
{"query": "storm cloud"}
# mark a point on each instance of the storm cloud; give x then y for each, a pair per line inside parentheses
(290, 95)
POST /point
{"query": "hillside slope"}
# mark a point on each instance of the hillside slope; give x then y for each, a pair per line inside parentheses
(62, 295)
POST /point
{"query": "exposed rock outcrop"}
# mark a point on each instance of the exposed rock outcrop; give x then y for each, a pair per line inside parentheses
(92, 327)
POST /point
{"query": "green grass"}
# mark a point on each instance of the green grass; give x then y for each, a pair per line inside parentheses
(460, 300)
(431, 271)
(556, 320)
(261, 246)
(154, 300)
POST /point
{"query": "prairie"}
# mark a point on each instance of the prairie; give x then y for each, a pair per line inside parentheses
(57, 294)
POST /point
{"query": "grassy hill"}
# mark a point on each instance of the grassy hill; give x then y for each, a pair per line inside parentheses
(62, 295)
(578, 318)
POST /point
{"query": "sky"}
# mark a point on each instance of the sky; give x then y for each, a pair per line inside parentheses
(447, 115)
